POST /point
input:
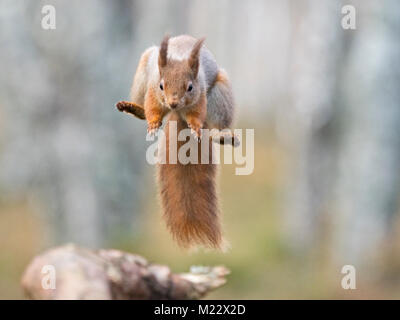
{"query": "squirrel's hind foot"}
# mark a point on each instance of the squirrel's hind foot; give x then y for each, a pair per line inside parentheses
(226, 137)
(131, 108)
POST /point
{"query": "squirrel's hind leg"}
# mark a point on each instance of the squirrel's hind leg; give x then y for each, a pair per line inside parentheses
(131, 108)
(225, 136)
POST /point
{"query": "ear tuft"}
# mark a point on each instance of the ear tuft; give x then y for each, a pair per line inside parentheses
(194, 56)
(162, 56)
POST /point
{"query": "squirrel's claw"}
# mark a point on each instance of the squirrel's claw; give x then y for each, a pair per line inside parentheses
(120, 106)
(196, 132)
(152, 132)
(153, 128)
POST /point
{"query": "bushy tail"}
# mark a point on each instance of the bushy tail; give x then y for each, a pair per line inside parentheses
(189, 199)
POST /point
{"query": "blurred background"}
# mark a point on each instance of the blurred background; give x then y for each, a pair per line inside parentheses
(324, 103)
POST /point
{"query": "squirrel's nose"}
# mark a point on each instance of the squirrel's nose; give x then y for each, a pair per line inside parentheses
(173, 105)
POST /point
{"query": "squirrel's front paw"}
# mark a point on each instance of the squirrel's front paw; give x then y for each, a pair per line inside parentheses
(196, 131)
(153, 127)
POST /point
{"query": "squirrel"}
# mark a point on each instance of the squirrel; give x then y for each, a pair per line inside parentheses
(181, 80)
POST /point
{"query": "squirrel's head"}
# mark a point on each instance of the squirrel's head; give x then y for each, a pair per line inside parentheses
(179, 85)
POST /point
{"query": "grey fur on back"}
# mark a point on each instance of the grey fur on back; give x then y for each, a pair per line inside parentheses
(220, 104)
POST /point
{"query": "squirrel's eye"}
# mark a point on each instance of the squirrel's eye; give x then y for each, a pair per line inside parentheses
(190, 87)
(161, 86)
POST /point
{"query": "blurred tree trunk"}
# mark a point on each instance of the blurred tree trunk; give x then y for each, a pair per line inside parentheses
(63, 138)
(305, 124)
(369, 159)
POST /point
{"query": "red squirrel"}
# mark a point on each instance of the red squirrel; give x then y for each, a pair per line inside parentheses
(181, 80)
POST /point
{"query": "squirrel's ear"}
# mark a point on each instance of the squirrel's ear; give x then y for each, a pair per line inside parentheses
(162, 56)
(194, 56)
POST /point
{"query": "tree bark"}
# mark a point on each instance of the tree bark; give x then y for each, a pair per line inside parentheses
(110, 274)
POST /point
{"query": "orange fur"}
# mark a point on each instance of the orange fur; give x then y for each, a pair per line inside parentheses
(194, 56)
(189, 199)
(222, 78)
(153, 110)
(162, 57)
